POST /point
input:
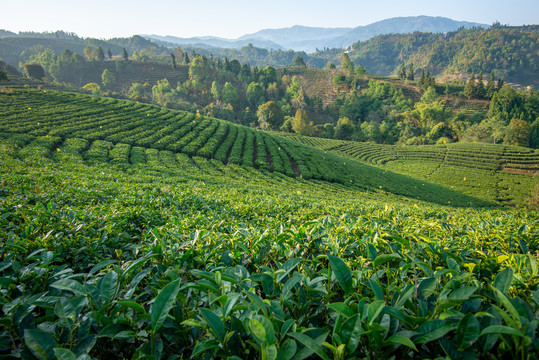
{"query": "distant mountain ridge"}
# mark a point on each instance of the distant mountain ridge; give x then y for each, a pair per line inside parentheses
(308, 39)
(214, 41)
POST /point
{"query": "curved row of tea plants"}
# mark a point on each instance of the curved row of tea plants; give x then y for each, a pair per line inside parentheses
(506, 175)
(117, 251)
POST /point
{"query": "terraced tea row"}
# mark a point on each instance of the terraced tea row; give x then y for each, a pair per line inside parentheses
(482, 156)
(47, 113)
(497, 173)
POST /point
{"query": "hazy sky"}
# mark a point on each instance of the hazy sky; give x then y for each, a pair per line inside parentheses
(233, 18)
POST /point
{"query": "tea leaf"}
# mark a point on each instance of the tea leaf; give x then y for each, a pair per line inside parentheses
(215, 324)
(467, 331)
(40, 344)
(342, 273)
(311, 344)
(163, 303)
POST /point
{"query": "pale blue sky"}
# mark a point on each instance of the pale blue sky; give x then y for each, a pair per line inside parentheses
(231, 18)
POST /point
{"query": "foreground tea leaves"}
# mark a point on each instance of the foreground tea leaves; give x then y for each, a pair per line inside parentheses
(168, 255)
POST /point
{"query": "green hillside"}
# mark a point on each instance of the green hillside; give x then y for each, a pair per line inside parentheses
(54, 117)
(511, 52)
(506, 175)
(130, 231)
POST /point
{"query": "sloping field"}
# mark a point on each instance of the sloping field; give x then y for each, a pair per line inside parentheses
(55, 117)
(507, 175)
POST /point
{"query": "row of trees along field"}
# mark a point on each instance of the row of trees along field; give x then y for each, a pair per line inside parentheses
(380, 112)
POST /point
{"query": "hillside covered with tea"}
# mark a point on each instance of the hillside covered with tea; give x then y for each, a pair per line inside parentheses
(132, 231)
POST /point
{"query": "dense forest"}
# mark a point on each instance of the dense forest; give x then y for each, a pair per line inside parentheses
(511, 52)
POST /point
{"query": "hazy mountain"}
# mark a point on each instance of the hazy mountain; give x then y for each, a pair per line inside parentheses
(401, 25)
(299, 37)
(212, 41)
(308, 39)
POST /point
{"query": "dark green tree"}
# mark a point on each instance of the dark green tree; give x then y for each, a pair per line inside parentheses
(109, 53)
(125, 55)
(3, 76)
(469, 89)
(345, 129)
(506, 104)
(100, 53)
(422, 80)
(480, 91)
(270, 116)
(34, 71)
(430, 81)
(173, 58)
(234, 67)
(299, 62)
(410, 73)
(402, 72)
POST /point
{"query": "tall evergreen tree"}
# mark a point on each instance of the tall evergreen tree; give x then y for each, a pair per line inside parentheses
(422, 80)
(480, 87)
(430, 81)
(469, 89)
(173, 57)
(347, 65)
(402, 72)
(100, 53)
(109, 53)
(410, 74)
(125, 55)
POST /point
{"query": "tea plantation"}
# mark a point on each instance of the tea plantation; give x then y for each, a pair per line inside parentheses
(128, 231)
(505, 175)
